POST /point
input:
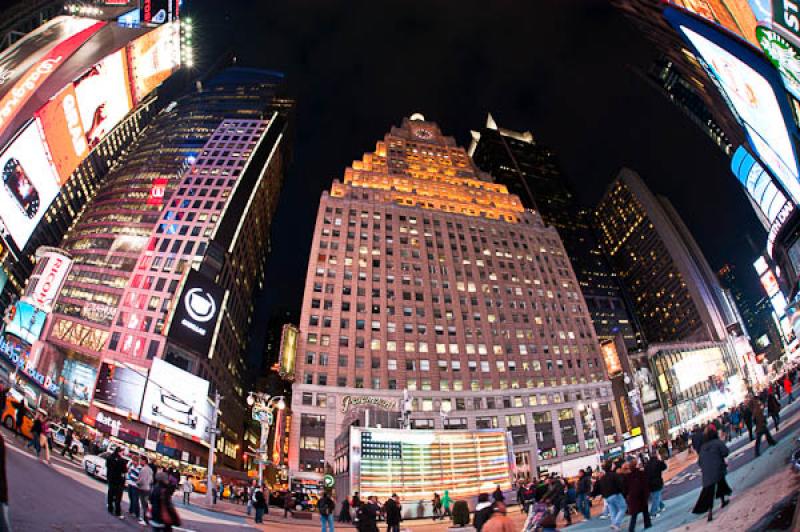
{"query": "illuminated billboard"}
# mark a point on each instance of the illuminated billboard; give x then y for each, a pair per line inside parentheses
(153, 58)
(26, 323)
(611, 358)
(737, 16)
(197, 313)
(751, 86)
(697, 366)
(758, 183)
(29, 184)
(770, 283)
(178, 400)
(103, 98)
(417, 463)
(63, 131)
(160, 11)
(288, 352)
(784, 55)
(52, 267)
(119, 389)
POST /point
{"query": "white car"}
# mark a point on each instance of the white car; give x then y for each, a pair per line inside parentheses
(95, 465)
(59, 435)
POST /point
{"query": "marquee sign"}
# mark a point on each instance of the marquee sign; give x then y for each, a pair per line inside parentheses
(354, 401)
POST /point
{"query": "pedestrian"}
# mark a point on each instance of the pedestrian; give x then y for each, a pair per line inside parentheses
(131, 480)
(437, 506)
(44, 440)
(188, 488)
(787, 387)
(368, 515)
(446, 502)
(736, 421)
(344, 513)
(5, 520)
(612, 487)
(116, 468)
(760, 421)
(499, 521)
(557, 498)
(697, 438)
(583, 492)
(68, 439)
(144, 485)
(259, 504)
(393, 510)
(637, 494)
(713, 468)
(326, 508)
(747, 416)
(36, 431)
(774, 409)
(654, 469)
(288, 504)
(483, 511)
(164, 515)
(19, 417)
(498, 495)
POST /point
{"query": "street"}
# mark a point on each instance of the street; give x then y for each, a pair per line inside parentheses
(62, 497)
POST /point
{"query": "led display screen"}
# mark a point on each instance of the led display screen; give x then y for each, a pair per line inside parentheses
(160, 11)
(63, 131)
(288, 352)
(697, 366)
(120, 388)
(177, 399)
(611, 358)
(103, 98)
(153, 58)
(737, 16)
(79, 378)
(758, 183)
(417, 463)
(27, 322)
(753, 100)
(770, 283)
(29, 184)
(197, 313)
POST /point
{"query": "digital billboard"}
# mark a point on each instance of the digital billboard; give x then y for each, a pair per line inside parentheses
(64, 133)
(103, 98)
(196, 313)
(79, 379)
(417, 463)
(120, 388)
(288, 352)
(27, 322)
(750, 85)
(160, 11)
(52, 267)
(611, 358)
(153, 58)
(758, 183)
(29, 184)
(177, 399)
(737, 16)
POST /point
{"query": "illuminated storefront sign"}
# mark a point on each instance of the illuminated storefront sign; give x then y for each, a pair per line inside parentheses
(18, 355)
(417, 463)
(786, 14)
(784, 55)
(353, 401)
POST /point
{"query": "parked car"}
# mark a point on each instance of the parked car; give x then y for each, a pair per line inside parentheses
(95, 465)
(58, 434)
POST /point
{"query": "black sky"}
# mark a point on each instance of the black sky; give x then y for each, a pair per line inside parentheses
(559, 68)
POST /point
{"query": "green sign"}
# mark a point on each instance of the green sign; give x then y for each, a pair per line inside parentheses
(327, 481)
(784, 55)
(785, 13)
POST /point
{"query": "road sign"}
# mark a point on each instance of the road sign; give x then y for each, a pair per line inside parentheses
(327, 481)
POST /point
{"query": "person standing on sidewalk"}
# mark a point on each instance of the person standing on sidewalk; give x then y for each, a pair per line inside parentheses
(611, 487)
(637, 490)
(713, 468)
(115, 474)
(260, 504)
(131, 480)
(144, 484)
(761, 424)
(654, 469)
(326, 508)
(187, 488)
(774, 409)
(393, 510)
(584, 491)
(36, 431)
(787, 387)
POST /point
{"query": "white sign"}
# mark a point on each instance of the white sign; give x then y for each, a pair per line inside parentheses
(48, 283)
(176, 399)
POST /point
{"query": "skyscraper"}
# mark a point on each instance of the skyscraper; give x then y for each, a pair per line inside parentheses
(531, 171)
(426, 277)
(674, 291)
(167, 230)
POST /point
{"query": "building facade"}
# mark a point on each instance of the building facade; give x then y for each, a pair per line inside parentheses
(674, 291)
(427, 279)
(531, 171)
(206, 173)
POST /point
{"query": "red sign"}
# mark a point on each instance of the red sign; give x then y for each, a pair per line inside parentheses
(157, 190)
(63, 131)
(36, 75)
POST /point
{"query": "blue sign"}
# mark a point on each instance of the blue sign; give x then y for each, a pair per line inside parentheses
(27, 322)
(19, 356)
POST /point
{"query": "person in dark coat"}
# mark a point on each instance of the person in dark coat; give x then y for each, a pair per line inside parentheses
(393, 510)
(654, 469)
(116, 469)
(747, 417)
(774, 409)
(584, 491)
(637, 494)
(368, 516)
(344, 513)
(714, 468)
(498, 495)
(697, 439)
(163, 514)
(483, 511)
(760, 421)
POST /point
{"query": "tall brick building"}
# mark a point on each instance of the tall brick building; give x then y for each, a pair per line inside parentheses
(426, 276)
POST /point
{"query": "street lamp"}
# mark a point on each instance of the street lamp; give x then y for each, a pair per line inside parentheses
(263, 407)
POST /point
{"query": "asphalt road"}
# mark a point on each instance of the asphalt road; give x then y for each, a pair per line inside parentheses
(61, 497)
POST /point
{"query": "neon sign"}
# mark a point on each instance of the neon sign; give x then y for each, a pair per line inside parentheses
(20, 358)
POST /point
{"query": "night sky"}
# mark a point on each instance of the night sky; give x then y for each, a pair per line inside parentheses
(559, 68)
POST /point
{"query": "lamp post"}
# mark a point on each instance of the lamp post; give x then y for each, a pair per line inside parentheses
(263, 407)
(211, 449)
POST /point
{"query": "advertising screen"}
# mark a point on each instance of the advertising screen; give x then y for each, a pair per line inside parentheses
(178, 400)
(79, 378)
(417, 463)
(120, 389)
(27, 322)
(784, 55)
(737, 16)
(160, 11)
(64, 133)
(758, 183)
(44, 285)
(196, 313)
(751, 96)
(288, 352)
(770, 283)
(103, 98)
(29, 184)
(154, 57)
(611, 358)
(697, 366)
